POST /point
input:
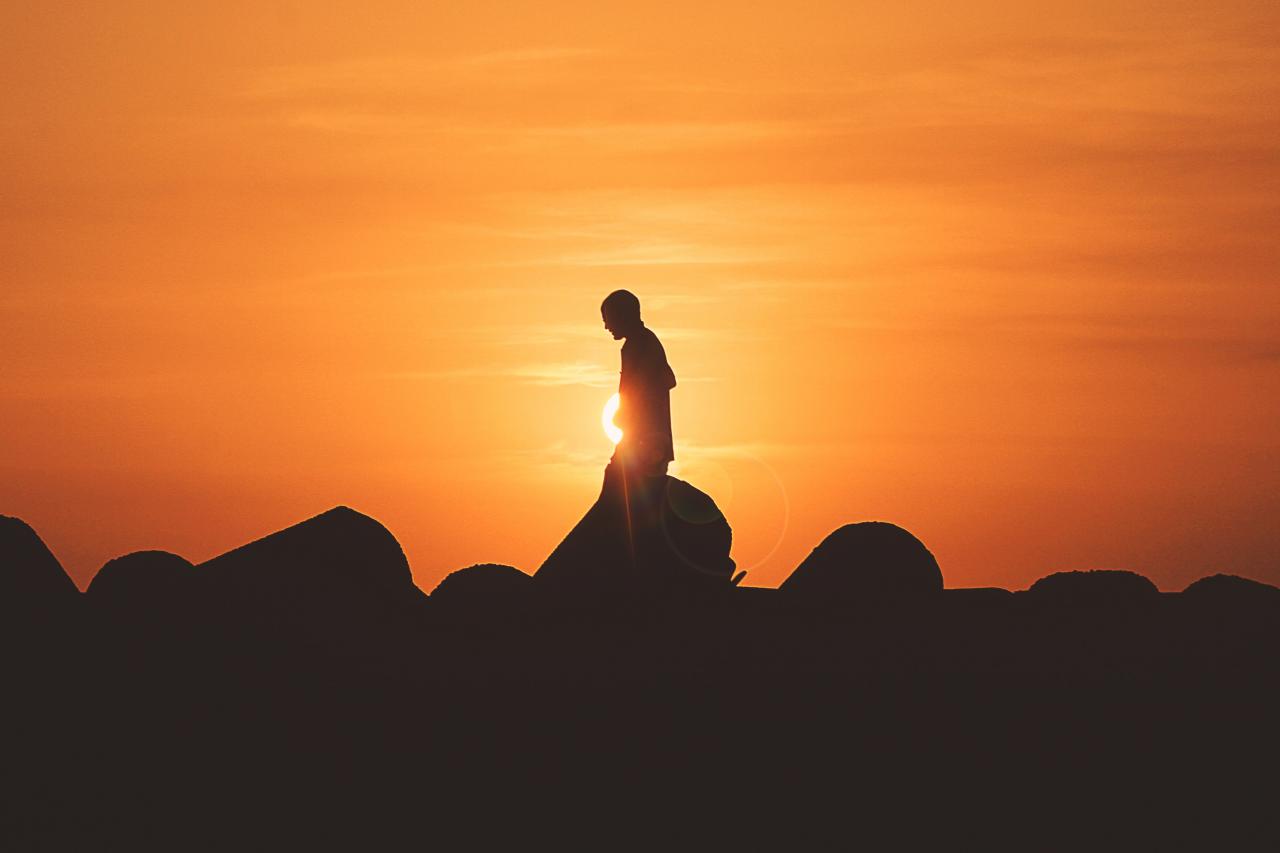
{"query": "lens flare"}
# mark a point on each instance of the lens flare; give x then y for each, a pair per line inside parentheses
(606, 419)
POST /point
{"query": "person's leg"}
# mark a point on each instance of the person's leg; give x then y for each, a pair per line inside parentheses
(635, 486)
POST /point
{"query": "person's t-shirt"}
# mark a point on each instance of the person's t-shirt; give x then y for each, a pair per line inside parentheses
(645, 393)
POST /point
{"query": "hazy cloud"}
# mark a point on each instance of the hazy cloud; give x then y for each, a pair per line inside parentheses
(586, 374)
(1189, 336)
(382, 74)
(564, 373)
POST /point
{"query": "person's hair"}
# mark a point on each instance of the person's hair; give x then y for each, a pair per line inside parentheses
(622, 304)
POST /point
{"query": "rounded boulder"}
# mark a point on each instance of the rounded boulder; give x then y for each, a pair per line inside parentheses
(871, 561)
(485, 587)
(1094, 587)
(1232, 590)
(30, 576)
(143, 579)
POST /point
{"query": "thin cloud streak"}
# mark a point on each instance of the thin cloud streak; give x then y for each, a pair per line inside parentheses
(379, 75)
(580, 373)
(559, 334)
(1123, 332)
(567, 373)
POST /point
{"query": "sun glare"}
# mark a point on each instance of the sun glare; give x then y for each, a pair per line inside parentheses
(606, 419)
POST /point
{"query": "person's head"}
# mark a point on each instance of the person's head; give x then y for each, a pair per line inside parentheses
(621, 313)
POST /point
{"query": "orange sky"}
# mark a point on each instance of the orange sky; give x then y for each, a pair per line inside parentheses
(1001, 273)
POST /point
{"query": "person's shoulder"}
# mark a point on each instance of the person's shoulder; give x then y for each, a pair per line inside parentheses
(641, 339)
(648, 339)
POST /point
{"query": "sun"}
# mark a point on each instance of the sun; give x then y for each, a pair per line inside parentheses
(606, 419)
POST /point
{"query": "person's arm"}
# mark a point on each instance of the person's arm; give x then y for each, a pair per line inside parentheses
(652, 368)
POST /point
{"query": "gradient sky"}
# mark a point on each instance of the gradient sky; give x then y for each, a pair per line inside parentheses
(1002, 273)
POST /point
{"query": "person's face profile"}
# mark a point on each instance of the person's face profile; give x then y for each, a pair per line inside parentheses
(611, 324)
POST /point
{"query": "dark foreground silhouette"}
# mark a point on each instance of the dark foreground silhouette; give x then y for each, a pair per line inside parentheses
(300, 692)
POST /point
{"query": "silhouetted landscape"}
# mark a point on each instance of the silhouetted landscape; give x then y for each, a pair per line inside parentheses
(727, 427)
(302, 691)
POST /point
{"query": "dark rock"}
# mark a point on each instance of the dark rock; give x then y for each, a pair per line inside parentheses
(592, 557)
(30, 576)
(686, 545)
(868, 562)
(696, 532)
(340, 564)
(1232, 590)
(482, 587)
(141, 580)
(1095, 587)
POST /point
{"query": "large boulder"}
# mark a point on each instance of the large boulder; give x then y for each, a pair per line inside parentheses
(338, 568)
(869, 562)
(145, 609)
(482, 589)
(1232, 591)
(1095, 587)
(593, 557)
(143, 580)
(696, 535)
(30, 576)
(682, 542)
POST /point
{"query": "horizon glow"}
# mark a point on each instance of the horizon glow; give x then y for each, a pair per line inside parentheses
(1004, 278)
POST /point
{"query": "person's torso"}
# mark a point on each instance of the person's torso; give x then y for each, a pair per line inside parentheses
(645, 391)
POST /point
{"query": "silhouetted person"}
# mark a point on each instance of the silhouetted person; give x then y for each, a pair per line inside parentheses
(637, 472)
(647, 529)
(644, 387)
